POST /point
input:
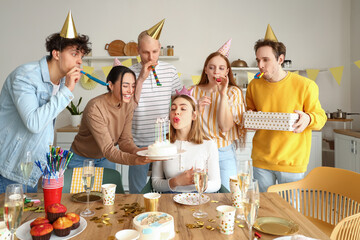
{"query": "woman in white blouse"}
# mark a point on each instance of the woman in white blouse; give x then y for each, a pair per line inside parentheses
(177, 174)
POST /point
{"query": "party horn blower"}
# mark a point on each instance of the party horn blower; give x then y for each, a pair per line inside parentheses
(155, 76)
(94, 79)
(258, 75)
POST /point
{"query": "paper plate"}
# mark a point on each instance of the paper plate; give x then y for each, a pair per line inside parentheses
(23, 232)
(276, 226)
(144, 153)
(82, 197)
(190, 199)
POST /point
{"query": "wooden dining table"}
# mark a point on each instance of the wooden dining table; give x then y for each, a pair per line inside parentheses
(271, 204)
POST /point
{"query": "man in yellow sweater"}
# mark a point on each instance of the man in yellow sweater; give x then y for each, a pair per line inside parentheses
(282, 155)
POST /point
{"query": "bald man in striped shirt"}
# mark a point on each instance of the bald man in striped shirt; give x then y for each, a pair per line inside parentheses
(154, 101)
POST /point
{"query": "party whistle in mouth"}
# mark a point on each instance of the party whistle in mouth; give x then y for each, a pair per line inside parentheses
(94, 79)
(258, 75)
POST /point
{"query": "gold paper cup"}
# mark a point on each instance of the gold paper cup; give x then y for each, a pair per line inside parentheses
(151, 201)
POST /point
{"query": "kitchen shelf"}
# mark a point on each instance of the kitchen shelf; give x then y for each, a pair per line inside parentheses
(340, 120)
(89, 59)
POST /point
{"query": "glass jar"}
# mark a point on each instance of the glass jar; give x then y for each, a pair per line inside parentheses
(287, 64)
(170, 51)
(161, 51)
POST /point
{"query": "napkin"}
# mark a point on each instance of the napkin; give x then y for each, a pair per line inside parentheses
(295, 237)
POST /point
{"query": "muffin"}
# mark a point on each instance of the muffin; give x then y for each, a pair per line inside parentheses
(54, 211)
(39, 221)
(75, 219)
(41, 232)
(62, 226)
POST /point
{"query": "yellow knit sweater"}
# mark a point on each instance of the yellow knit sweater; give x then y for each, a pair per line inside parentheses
(283, 150)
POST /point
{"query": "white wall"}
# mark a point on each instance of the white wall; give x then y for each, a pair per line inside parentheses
(316, 33)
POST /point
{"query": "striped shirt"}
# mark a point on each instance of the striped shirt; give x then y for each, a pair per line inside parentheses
(154, 101)
(208, 118)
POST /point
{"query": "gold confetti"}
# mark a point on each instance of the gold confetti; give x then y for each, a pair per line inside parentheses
(99, 208)
(193, 209)
(99, 226)
(107, 218)
(105, 215)
(177, 231)
(214, 201)
(237, 221)
(200, 223)
(113, 212)
(211, 220)
(240, 226)
(111, 238)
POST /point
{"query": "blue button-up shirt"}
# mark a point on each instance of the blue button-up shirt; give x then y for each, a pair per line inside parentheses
(27, 113)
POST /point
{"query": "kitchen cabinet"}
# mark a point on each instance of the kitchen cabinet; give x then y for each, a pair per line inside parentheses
(347, 155)
(65, 136)
(315, 159)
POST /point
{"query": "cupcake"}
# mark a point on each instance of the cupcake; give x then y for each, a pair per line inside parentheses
(62, 226)
(54, 211)
(41, 232)
(39, 221)
(75, 219)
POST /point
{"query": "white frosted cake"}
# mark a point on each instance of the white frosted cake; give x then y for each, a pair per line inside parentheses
(154, 225)
(164, 148)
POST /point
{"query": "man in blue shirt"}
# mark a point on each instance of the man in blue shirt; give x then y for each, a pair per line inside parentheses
(30, 100)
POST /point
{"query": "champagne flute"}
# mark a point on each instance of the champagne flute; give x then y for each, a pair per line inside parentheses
(201, 183)
(26, 167)
(243, 174)
(13, 207)
(88, 176)
(251, 202)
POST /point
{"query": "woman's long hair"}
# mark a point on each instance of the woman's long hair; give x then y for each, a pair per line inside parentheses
(113, 77)
(196, 134)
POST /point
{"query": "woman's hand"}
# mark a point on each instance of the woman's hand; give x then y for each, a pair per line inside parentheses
(183, 179)
(223, 86)
(203, 101)
(143, 160)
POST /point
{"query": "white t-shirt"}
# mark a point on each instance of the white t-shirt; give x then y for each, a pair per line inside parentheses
(55, 88)
(163, 171)
(154, 101)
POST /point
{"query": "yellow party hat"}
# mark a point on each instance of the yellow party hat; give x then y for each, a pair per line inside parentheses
(68, 30)
(155, 31)
(270, 35)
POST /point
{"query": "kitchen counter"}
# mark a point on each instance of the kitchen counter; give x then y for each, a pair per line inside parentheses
(348, 132)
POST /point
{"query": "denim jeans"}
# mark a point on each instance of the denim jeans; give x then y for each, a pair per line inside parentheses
(4, 182)
(138, 176)
(266, 178)
(77, 161)
(227, 162)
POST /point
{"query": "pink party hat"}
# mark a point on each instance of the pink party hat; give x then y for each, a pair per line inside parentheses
(186, 92)
(224, 50)
(117, 62)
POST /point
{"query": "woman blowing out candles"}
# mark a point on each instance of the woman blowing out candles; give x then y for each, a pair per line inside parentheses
(177, 174)
(106, 122)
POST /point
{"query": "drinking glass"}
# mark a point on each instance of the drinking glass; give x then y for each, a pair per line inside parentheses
(201, 183)
(243, 174)
(13, 207)
(26, 166)
(88, 175)
(251, 203)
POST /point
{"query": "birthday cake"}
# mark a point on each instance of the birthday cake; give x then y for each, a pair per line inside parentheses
(164, 148)
(154, 225)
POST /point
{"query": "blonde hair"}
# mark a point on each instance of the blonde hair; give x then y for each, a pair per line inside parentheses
(196, 134)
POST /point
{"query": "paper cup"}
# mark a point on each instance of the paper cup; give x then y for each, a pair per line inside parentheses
(226, 216)
(127, 234)
(236, 196)
(108, 191)
(151, 201)
(52, 189)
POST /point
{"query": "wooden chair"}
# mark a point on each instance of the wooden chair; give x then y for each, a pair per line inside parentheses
(109, 176)
(347, 229)
(325, 196)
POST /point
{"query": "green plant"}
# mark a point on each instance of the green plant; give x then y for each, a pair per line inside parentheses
(74, 109)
